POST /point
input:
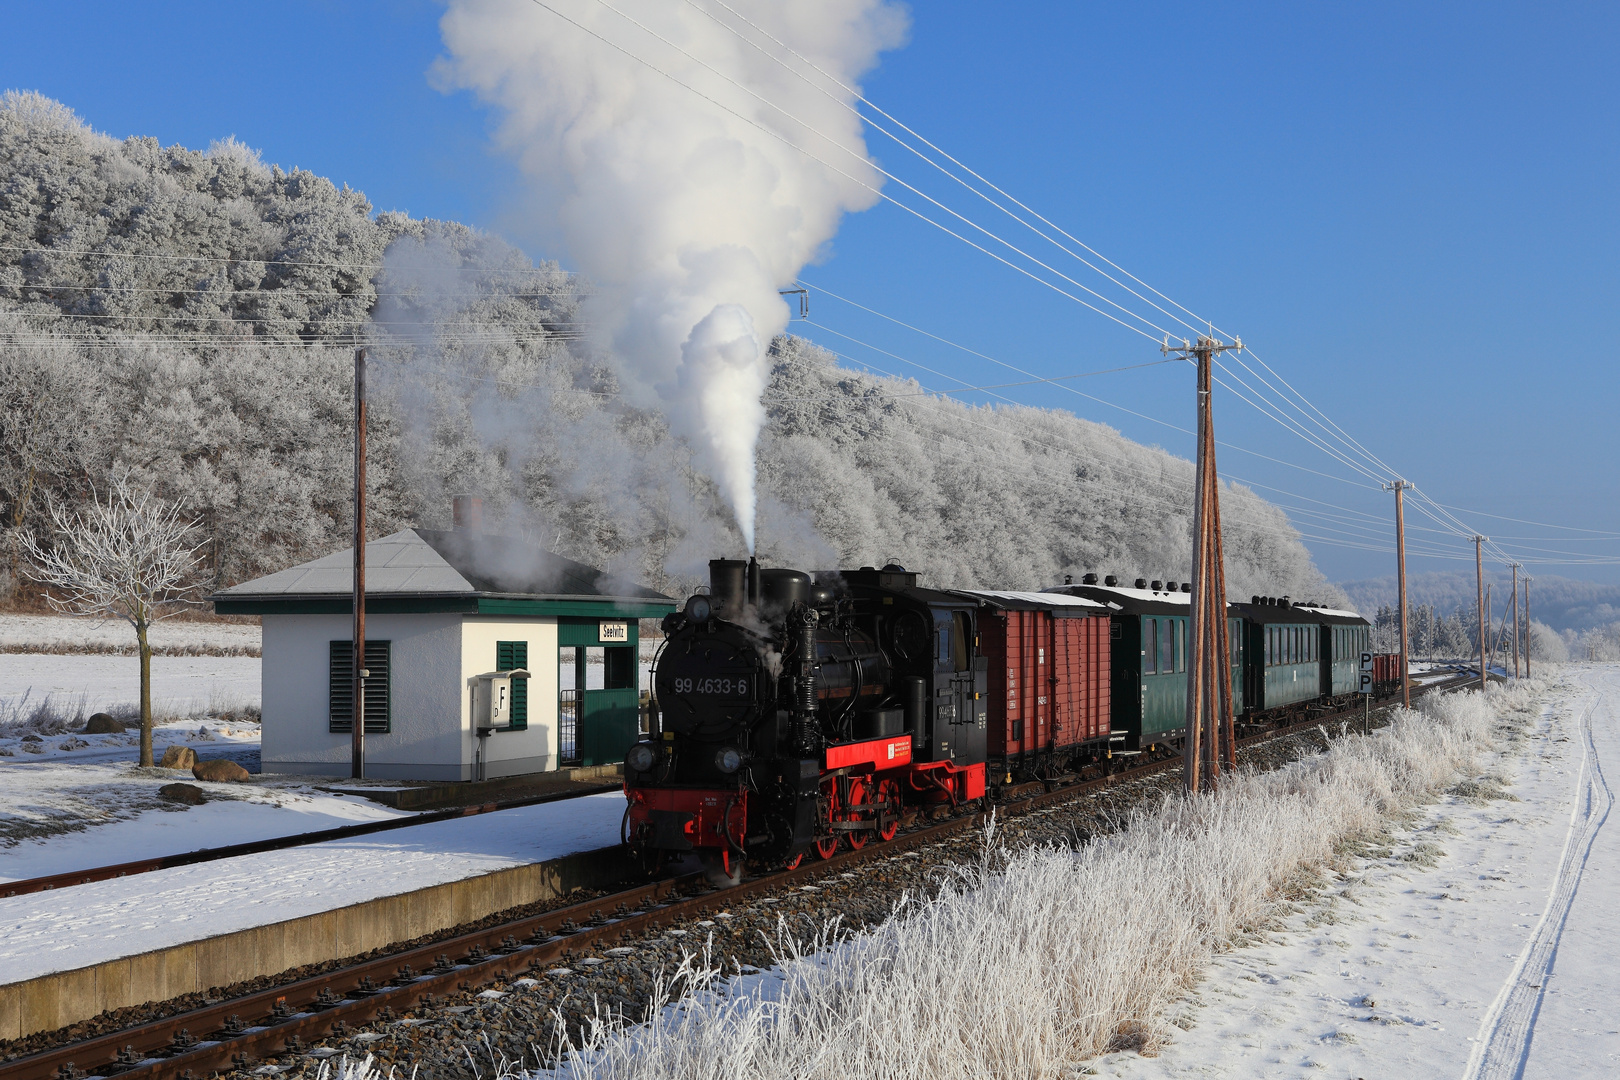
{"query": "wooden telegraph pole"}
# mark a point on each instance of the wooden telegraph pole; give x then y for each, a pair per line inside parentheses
(1400, 569)
(1479, 578)
(1515, 568)
(357, 665)
(1490, 624)
(1210, 743)
(1527, 626)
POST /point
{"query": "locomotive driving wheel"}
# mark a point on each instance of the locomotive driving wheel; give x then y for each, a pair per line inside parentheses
(860, 803)
(828, 810)
(888, 817)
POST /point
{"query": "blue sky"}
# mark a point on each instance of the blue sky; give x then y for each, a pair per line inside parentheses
(1408, 210)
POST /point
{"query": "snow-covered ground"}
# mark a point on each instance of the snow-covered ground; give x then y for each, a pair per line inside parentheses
(70, 801)
(64, 633)
(88, 924)
(181, 685)
(61, 814)
(1483, 945)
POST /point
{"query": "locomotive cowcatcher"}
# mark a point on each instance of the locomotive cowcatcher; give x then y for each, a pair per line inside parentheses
(797, 712)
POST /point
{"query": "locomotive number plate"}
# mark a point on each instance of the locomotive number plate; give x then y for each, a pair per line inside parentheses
(737, 687)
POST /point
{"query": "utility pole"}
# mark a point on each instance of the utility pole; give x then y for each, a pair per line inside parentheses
(1515, 568)
(1479, 578)
(1400, 567)
(1527, 626)
(1210, 743)
(357, 665)
(1490, 625)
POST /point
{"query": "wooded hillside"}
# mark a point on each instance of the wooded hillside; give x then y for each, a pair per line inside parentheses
(189, 317)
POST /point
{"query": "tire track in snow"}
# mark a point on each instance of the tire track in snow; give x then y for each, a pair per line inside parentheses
(1502, 1046)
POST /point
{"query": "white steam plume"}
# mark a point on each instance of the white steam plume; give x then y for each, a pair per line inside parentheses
(687, 217)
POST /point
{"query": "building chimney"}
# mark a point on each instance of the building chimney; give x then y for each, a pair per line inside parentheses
(467, 511)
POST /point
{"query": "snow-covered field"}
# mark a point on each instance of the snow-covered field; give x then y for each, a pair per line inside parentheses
(87, 924)
(1483, 945)
(63, 633)
(181, 685)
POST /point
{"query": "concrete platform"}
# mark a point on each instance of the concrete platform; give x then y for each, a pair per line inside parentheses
(402, 796)
(71, 954)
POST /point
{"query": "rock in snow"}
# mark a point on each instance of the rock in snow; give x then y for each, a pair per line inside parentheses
(103, 724)
(178, 757)
(218, 770)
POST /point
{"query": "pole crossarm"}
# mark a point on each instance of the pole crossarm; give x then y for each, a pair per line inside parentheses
(1210, 746)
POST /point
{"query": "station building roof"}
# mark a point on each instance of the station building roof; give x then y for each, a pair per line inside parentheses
(437, 570)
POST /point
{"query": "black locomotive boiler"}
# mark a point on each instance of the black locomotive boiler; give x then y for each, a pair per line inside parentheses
(799, 712)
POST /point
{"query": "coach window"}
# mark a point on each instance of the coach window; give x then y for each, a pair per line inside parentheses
(1167, 646)
(1150, 646)
(1181, 644)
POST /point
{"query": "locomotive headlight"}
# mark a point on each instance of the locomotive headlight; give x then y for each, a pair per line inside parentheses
(698, 609)
(727, 759)
(640, 758)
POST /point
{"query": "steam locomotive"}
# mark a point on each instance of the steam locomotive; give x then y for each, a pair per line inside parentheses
(798, 712)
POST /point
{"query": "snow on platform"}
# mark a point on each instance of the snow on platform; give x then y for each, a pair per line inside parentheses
(1499, 954)
(88, 924)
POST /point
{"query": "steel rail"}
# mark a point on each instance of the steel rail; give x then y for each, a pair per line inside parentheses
(284, 1019)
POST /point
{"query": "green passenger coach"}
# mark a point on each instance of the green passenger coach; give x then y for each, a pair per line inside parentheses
(1148, 631)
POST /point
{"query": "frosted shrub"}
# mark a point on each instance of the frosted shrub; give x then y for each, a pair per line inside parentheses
(1031, 961)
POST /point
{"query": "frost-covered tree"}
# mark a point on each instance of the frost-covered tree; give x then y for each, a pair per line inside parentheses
(131, 557)
(50, 420)
(217, 365)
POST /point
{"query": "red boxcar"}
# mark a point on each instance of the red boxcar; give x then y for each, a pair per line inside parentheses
(1386, 672)
(1048, 658)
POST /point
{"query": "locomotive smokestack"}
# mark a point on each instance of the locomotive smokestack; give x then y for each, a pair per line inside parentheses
(753, 582)
(726, 585)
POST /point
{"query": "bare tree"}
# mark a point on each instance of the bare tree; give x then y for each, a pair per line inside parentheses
(130, 557)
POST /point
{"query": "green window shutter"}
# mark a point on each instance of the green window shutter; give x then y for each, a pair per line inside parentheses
(340, 687)
(510, 656)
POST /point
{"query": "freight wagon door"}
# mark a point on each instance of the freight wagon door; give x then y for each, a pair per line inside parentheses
(1098, 710)
(999, 637)
(1068, 681)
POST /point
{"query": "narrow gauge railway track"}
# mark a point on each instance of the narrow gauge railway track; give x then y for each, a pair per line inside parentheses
(288, 1018)
(278, 843)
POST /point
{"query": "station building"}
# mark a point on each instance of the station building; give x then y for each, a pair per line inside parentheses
(448, 613)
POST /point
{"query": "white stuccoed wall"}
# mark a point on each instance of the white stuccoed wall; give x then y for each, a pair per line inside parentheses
(510, 753)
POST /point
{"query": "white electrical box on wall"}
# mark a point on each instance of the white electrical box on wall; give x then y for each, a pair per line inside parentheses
(492, 699)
